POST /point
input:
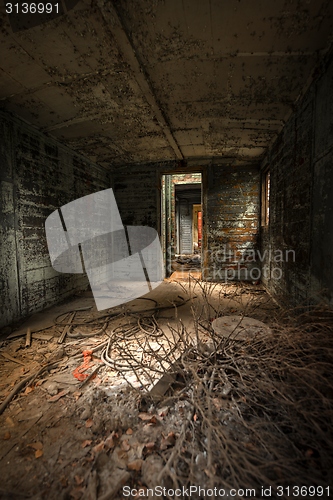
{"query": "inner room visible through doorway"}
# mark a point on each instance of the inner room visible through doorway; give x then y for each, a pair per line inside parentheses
(181, 218)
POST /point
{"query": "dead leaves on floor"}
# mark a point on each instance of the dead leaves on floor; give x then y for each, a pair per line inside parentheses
(125, 455)
(128, 450)
(116, 443)
(38, 447)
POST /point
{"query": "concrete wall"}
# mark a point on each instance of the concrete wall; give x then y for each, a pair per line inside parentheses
(301, 201)
(37, 175)
(231, 223)
(231, 211)
(137, 189)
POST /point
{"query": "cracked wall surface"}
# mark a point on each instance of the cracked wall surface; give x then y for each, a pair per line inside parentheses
(38, 175)
(301, 202)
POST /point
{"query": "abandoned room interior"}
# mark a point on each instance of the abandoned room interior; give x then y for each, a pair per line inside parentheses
(166, 249)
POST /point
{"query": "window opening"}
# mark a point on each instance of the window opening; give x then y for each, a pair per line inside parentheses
(265, 198)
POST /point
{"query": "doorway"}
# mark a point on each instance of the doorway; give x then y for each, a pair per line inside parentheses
(181, 223)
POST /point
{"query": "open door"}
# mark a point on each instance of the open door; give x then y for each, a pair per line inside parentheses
(181, 222)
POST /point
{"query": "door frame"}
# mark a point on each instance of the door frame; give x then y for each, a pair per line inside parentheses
(162, 229)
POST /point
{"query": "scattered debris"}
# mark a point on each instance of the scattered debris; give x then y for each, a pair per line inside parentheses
(240, 327)
(79, 371)
(91, 376)
(22, 384)
(11, 358)
(67, 328)
(51, 387)
(165, 382)
(56, 397)
(179, 403)
(28, 338)
(42, 336)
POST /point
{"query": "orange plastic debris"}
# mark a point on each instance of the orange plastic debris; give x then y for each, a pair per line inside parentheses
(78, 372)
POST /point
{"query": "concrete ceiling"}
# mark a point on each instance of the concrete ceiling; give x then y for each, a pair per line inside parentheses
(129, 81)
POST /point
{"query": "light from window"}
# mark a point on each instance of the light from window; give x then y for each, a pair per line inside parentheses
(265, 198)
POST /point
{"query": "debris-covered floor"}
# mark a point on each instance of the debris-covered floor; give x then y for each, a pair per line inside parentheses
(151, 395)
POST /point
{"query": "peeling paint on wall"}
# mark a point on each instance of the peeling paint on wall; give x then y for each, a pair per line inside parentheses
(301, 206)
(232, 222)
(38, 175)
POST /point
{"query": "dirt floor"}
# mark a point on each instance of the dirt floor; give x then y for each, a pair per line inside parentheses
(149, 395)
(190, 263)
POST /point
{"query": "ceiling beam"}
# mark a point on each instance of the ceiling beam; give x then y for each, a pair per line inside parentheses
(125, 46)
